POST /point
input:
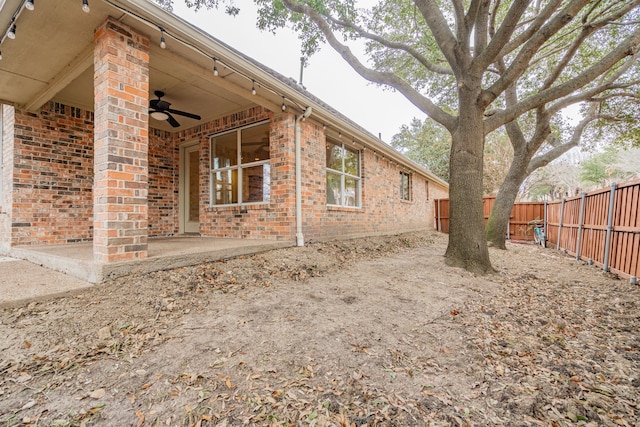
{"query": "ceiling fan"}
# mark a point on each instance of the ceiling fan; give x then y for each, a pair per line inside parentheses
(159, 110)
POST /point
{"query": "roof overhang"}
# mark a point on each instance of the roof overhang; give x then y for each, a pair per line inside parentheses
(51, 58)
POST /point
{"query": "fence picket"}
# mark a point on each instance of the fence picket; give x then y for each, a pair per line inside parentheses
(602, 226)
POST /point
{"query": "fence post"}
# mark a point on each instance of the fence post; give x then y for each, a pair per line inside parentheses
(581, 218)
(439, 218)
(544, 223)
(605, 266)
(560, 225)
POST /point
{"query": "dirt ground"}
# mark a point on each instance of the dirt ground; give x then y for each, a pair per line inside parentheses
(366, 332)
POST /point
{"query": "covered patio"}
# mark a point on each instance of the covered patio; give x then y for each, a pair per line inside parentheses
(76, 259)
(120, 69)
(133, 141)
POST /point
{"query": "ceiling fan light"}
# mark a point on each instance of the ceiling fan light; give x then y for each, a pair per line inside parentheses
(29, 5)
(85, 6)
(159, 115)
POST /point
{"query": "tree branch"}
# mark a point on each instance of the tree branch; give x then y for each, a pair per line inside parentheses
(547, 157)
(481, 28)
(531, 47)
(439, 69)
(458, 9)
(587, 30)
(608, 84)
(504, 33)
(541, 18)
(626, 48)
(390, 79)
(438, 25)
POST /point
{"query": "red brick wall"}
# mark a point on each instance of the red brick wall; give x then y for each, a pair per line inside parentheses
(382, 209)
(121, 143)
(52, 176)
(275, 220)
(163, 183)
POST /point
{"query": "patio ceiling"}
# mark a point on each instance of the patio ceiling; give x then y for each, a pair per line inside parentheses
(51, 58)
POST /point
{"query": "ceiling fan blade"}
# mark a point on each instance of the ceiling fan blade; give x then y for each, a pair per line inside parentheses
(173, 122)
(184, 113)
(154, 104)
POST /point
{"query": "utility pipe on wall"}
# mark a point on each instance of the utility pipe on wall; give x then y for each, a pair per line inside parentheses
(299, 235)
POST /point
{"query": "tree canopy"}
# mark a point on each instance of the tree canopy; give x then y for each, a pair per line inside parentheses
(472, 66)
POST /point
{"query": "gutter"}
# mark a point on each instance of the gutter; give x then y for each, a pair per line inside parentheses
(240, 62)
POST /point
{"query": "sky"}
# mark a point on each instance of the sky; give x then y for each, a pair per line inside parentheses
(327, 75)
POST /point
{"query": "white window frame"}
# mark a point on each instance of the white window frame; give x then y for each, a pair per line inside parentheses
(239, 166)
(344, 175)
(405, 177)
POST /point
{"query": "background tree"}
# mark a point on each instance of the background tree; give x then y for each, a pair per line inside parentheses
(583, 172)
(543, 135)
(429, 144)
(498, 155)
(426, 143)
(481, 48)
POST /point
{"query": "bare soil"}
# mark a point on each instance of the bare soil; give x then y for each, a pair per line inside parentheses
(366, 332)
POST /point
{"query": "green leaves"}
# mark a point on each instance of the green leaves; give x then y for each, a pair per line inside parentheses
(426, 143)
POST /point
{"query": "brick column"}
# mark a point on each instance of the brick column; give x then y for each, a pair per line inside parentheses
(121, 143)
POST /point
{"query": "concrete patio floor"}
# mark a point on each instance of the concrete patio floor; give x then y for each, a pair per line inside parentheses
(20, 280)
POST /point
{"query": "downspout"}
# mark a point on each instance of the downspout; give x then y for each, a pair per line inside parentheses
(299, 235)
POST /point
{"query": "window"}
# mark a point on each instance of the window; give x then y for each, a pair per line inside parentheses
(343, 175)
(405, 186)
(240, 169)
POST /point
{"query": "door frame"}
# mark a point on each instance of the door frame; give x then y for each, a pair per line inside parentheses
(183, 193)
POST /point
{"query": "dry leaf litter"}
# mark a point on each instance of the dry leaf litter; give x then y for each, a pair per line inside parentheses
(367, 332)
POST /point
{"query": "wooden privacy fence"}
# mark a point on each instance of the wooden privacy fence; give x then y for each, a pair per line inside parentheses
(601, 227)
(521, 215)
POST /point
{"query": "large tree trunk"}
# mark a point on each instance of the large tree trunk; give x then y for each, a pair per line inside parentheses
(499, 218)
(467, 239)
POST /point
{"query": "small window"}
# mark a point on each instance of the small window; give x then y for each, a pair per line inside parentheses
(343, 175)
(405, 186)
(240, 168)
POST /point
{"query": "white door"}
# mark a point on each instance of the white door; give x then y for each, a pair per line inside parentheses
(190, 189)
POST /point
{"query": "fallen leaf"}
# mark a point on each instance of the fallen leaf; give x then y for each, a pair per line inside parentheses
(140, 416)
(27, 344)
(28, 405)
(98, 394)
(104, 333)
(23, 378)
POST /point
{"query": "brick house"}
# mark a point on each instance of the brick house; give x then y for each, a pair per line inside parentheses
(91, 153)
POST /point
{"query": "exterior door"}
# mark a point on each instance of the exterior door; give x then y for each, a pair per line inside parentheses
(190, 189)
